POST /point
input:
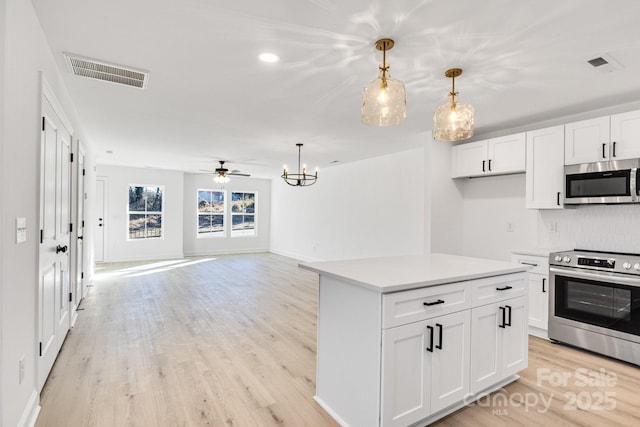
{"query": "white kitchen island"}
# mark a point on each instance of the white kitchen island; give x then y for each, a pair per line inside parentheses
(407, 340)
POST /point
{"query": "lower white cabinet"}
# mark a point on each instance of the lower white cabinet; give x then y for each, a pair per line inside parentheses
(538, 292)
(499, 342)
(425, 367)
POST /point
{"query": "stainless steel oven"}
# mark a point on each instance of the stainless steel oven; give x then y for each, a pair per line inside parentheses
(594, 301)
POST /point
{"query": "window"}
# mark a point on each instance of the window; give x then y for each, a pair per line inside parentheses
(210, 213)
(243, 208)
(145, 212)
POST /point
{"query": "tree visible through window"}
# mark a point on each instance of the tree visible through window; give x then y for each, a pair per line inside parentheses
(145, 211)
(243, 209)
(210, 213)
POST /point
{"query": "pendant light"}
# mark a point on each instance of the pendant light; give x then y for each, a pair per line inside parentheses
(384, 100)
(302, 178)
(453, 121)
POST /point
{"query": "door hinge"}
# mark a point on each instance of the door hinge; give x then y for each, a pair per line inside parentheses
(84, 172)
(71, 156)
(41, 236)
(70, 297)
(40, 348)
(70, 227)
(43, 120)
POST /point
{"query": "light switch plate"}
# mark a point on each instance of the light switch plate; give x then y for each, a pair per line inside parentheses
(21, 230)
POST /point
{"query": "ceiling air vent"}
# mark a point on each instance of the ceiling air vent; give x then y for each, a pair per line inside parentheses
(605, 64)
(101, 70)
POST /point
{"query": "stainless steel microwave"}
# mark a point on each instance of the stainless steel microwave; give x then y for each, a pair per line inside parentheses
(602, 182)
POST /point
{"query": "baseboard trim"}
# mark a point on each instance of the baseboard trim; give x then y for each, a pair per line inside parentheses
(330, 412)
(227, 252)
(31, 411)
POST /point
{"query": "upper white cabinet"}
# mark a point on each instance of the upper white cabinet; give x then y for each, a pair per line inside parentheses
(615, 137)
(494, 156)
(545, 168)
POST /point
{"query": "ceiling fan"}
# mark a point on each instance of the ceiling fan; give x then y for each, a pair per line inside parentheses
(223, 174)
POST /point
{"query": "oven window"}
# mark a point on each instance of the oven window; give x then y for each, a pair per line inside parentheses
(608, 305)
(599, 184)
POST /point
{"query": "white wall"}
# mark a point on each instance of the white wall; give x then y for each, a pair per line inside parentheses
(2, 142)
(26, 55)
(193, 245)
(369, 208)
(117, 247)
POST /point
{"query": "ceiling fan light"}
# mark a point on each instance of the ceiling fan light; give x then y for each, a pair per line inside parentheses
(221, 179)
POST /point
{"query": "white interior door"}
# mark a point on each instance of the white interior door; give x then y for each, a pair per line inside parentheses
(53, 289)
(79, 270)
(99, 231)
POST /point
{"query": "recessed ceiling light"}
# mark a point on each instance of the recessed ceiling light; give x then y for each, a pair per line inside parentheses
(109, 152)
(269, 57)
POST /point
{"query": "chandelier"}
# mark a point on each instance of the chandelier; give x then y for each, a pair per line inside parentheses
(300, 179)
(453, 121)
(384, 100)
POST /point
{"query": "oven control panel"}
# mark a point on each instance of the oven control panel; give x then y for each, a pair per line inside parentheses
(593, 260)
(597, 262)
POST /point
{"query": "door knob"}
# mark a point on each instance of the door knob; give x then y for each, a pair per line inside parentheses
(80, 238)
(62, 249)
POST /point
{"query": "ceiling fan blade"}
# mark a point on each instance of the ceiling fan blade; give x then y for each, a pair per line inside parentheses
(238, 174)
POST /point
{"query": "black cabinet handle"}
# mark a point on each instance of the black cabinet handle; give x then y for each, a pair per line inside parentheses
(439, 326)
(614, 148)
(430, 348)
(433, 303)
(483, 162)
(558, 198)
(503, 310)
(505, 288)
(603, 148)
(489, 165)
(62, 249)
(543, 281)
(508, 322)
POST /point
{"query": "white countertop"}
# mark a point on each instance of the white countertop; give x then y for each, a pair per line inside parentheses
(391, 274)
(543, 252)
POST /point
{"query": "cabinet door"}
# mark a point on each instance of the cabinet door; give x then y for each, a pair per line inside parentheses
(515, 338)
(625, 135)
(405, 374)
(586, 141)
(545, 168)
(538, 301)
(450, 363)
(485, 347)
(507, 154)
(469, 159)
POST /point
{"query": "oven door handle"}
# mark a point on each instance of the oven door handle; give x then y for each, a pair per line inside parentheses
(604, 276)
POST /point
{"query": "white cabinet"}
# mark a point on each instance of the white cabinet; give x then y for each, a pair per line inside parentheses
(615, 137)
(545, 168)
(538, 292)
(498, 342)
(489, 157)
(425, 367)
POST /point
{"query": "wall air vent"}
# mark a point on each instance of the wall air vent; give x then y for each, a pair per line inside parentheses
(604, 64)
(101, 70)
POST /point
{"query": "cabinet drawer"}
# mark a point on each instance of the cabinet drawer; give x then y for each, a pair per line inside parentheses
(539, 265)
(419, 304)
(498, 288)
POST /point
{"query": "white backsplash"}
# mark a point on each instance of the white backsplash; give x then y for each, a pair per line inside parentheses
(613, 228)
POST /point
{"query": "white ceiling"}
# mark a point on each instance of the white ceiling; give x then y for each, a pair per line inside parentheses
(210, 98)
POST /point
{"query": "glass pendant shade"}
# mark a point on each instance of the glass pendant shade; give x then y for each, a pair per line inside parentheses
(221, 179)
(384, 101)
(453, 121)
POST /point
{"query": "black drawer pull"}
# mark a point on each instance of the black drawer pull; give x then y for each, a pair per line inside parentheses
(439, 326)
(528, 263)
(503, 310)
(440, 301)
(505, 288)
(430, 348)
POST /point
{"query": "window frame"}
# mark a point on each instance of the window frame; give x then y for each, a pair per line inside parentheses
(210, 235)
(255, 215)
(145, 212)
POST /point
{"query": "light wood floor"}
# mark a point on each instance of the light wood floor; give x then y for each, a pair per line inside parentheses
(231, 341)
